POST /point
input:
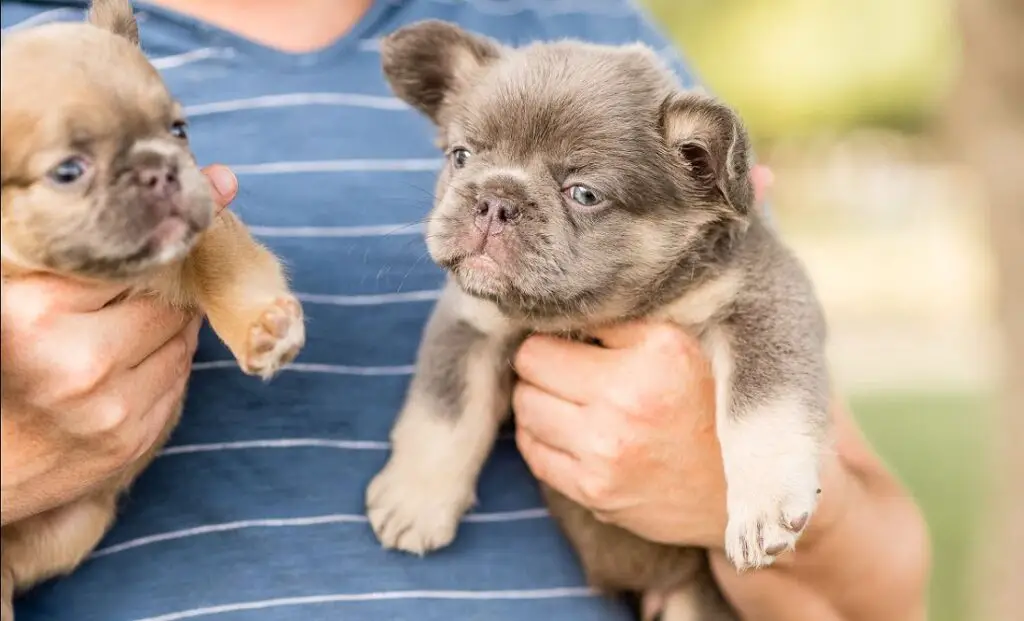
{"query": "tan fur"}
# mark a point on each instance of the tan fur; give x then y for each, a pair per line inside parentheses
(68, 83)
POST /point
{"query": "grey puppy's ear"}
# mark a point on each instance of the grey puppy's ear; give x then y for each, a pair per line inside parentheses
(429, 61)
(115, 16)
(714, 146)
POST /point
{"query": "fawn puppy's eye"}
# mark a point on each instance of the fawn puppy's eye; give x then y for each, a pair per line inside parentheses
(69, 171)
(179, 129)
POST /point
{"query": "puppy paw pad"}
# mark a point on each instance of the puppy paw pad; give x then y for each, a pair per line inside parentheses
(275, 338)
(758, 532)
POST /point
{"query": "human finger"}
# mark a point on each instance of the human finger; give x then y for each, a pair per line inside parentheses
(131, 331)
(31, 298)
(622, 335)
(556, 468)
(147, 426)
(571, 370)
(163, 367)
(154, 422)
(763, 179)
(224, 184)
(558, 423)
(121, 400)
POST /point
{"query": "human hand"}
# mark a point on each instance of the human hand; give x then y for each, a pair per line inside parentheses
(88, 386)
(763, 180)
(626, 430)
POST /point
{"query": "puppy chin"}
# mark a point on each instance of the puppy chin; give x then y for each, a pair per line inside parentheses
(171, 241)
(481, 276)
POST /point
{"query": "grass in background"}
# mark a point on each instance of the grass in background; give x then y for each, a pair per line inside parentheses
(937, 445)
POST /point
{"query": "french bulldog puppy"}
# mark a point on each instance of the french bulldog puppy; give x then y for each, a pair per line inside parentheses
(584, 187)
(99, 185)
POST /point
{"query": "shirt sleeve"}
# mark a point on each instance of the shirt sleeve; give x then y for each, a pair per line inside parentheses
(649, 32)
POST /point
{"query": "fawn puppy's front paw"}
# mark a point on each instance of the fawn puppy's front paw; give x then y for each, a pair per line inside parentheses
(275, 338)
(415, 510)
(767, 515)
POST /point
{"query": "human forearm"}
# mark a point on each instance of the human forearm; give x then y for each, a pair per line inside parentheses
(865, 557)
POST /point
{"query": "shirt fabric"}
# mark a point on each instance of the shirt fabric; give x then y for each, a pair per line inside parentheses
(255, 511)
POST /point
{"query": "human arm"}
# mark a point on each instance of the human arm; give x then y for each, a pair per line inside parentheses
(87, 385)
(624, 453)
(865, 555)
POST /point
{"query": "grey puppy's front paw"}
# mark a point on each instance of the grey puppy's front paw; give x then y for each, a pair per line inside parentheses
(415, 511)
(767, 518)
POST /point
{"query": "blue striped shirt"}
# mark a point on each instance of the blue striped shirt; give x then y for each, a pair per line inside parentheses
(255, 510)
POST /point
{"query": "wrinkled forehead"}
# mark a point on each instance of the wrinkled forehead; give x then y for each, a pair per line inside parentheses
(563, 100)
(77, 91)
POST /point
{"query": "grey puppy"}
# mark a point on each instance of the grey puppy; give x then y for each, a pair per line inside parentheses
(584, 187)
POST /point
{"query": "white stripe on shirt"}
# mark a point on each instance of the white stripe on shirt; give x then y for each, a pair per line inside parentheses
(431, 164)
(379, 230)
(318, 520)
(347, 445)
(370, 300)
(533, 594)
(287, 100)
(46, 17)
(288, 443)
(179, 60)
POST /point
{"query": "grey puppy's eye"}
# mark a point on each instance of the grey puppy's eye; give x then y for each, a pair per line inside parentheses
(68, 171)
(459, 157)
(179, 129)
(583, 195)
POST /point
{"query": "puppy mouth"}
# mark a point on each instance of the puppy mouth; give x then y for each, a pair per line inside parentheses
(478, 273)
(170, 239)
(480, 263)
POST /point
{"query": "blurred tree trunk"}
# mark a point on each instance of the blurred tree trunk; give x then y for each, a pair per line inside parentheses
(987, 115)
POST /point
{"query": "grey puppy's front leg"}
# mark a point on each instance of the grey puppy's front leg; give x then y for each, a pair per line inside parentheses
(458, 398)
(771, 418)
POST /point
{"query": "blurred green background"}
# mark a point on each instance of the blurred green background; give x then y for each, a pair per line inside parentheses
(845, 100)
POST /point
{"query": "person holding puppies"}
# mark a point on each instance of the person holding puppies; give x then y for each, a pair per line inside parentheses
(255, 509)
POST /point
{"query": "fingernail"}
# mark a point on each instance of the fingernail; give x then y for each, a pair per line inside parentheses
(223, 180)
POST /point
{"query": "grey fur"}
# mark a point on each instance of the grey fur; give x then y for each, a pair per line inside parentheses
(675, 236)
(441, 374)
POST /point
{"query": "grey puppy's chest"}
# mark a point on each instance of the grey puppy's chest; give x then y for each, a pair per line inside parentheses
(696, 310)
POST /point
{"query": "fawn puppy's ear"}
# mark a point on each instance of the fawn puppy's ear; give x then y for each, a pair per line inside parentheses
(116, 16)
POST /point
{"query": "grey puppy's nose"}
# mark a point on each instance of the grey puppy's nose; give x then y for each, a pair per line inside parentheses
(493, 213)
(158, 177)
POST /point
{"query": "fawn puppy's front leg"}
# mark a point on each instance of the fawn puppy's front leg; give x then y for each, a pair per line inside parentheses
(457, 400)
(242, 289)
